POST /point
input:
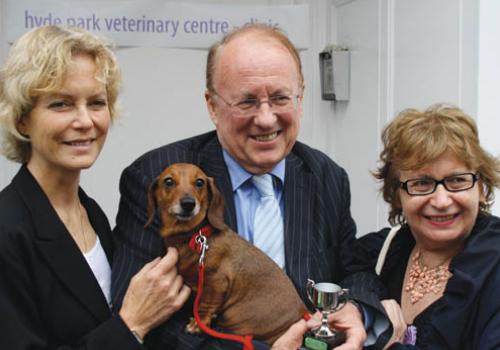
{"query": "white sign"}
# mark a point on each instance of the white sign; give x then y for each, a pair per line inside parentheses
(153, 22)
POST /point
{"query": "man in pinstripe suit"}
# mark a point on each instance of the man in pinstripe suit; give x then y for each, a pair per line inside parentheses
(254, 97)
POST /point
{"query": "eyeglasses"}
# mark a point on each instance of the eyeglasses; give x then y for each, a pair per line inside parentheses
(249, 106)
(453, 183)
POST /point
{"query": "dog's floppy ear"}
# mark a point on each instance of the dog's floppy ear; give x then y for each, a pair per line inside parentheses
(215, 213)
(152, 201)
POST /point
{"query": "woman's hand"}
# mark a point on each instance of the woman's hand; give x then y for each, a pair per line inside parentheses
(293, 337)
(395, 314)
(154, 294)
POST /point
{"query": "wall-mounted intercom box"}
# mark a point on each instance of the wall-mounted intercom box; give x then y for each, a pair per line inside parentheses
(335, 68)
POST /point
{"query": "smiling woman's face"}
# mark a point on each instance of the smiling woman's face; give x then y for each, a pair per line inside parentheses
(67, 128)
(441, 219)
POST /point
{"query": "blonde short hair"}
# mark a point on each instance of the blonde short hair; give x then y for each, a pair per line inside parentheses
(37, 64)
(414, 139)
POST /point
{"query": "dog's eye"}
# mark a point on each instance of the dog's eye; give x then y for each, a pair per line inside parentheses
(169, 182)
(200, 183)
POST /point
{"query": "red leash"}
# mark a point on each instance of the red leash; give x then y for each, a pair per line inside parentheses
(199, 244)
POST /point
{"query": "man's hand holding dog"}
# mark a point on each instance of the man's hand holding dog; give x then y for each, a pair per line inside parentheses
(154, 294)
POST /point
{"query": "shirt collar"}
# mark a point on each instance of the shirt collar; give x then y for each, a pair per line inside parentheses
(239, 175)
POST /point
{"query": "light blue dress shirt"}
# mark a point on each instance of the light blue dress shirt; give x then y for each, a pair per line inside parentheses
(247, 197)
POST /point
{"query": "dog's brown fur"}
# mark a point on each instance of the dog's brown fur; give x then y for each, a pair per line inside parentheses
(247, 291)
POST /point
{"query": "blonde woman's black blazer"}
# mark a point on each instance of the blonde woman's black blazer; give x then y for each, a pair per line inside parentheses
(49, 297)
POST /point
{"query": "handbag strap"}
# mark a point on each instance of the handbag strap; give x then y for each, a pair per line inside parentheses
(385, 248)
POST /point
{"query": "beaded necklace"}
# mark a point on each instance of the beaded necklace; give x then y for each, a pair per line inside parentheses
(422, 280)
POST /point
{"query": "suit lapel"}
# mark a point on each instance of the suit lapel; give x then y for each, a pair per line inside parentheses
(59, 249)
(299, 198)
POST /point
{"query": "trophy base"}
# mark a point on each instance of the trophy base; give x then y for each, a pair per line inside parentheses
(313, 342)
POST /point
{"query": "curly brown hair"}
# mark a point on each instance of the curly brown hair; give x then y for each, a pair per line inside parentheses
(414, 139)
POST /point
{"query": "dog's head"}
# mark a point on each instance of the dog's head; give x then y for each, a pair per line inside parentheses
(185, 196)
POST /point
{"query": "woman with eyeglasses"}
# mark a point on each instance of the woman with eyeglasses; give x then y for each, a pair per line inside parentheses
(441, 265)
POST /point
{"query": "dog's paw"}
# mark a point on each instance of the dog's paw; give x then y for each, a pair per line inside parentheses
(192, 327)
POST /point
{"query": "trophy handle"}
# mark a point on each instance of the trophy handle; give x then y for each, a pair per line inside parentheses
(343, 297)
(309, 289)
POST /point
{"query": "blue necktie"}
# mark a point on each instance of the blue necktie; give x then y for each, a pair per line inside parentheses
(268, 223)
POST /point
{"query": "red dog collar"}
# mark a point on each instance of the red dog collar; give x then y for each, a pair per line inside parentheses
(206, 231)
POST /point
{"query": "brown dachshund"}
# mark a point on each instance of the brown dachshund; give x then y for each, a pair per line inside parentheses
(244, 289)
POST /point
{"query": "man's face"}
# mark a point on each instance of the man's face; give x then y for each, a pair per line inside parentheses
(255, 67)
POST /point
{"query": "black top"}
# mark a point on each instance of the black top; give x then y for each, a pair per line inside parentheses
(49, 296)
(467, 316)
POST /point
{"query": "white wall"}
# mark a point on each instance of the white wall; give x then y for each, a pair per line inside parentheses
(404, 53)
(163, 101)
(7, 169)
(489, 78)
(355, 127)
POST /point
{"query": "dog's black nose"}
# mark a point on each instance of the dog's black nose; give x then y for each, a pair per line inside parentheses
(187, 204)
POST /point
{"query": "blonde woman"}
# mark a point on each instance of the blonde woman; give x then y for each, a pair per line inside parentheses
(58, 92)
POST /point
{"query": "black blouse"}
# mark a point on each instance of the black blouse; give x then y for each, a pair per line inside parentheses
(467, 316)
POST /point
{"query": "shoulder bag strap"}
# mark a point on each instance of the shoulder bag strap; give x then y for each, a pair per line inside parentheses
(385, 249)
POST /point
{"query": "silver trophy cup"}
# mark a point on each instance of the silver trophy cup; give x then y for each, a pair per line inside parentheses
(327, 298)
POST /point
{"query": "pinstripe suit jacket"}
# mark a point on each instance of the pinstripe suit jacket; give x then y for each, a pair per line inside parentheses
(319, 229)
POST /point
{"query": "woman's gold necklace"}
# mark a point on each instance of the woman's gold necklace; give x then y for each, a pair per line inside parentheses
(82, 229)
(423, 280)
